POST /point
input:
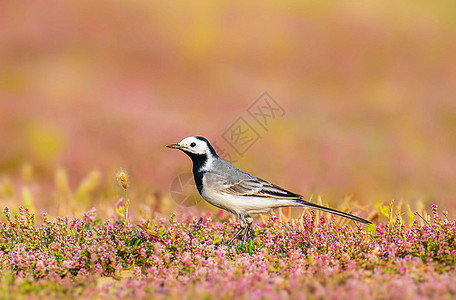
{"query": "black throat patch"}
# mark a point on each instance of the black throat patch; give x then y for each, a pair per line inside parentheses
(199, 160)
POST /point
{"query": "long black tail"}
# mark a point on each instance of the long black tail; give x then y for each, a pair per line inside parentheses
(333, 211)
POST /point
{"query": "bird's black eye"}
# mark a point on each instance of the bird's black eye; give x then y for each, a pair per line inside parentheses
(193, 144)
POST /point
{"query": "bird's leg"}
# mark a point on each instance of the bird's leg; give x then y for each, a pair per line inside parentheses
(249, 221)
(236, 235)
(243, 224)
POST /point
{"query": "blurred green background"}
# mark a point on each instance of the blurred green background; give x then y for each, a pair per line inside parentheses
(368, 90)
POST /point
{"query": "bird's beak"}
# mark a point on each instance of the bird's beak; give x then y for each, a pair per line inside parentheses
(174, 146)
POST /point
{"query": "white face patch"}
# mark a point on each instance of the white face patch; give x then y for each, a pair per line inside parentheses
(194, 145)
(199, 146)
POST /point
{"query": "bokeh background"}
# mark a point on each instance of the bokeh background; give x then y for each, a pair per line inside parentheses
(87, 87)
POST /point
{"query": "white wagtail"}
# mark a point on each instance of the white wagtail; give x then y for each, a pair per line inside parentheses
(237, 192)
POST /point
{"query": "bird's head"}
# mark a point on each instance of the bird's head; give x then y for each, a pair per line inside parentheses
(195, 145)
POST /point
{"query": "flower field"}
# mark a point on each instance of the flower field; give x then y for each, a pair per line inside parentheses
(186, 257)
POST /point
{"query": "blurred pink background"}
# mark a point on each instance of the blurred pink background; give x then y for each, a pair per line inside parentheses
(368, 92)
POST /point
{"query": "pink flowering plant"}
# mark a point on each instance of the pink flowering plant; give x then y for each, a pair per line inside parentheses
(186, 256)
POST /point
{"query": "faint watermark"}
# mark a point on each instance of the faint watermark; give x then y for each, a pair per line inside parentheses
(265, 109)
(240, 137)
(183, 190)
(223, 153)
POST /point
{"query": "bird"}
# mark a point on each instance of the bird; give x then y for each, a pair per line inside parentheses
(241, 194)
